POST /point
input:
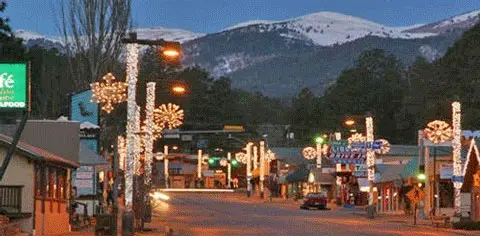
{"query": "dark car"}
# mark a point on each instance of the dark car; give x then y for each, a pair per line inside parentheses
(316, 200)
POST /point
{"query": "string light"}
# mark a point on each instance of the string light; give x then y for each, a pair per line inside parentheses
(456, 148)
(370, 153)
(149, 125)
(122, 152)
(138, 144)
(170, 115)
(108, 92)
(438, 131)
(132, 73)
(309, 153)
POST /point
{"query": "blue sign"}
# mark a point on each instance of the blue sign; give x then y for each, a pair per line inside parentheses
(368, 145)
(82, 109)
(457, 179)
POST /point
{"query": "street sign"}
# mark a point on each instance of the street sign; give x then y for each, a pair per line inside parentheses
(446, 171)
(368, 145)
(416, 194)
(457, 179)
(14, 93)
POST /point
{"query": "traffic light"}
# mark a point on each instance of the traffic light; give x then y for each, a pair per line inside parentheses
(421, 173)
(234, 162)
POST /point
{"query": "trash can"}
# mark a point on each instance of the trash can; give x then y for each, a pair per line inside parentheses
(104, 224)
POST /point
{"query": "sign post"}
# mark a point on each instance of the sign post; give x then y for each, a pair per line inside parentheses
(415, 195)
(14, 95)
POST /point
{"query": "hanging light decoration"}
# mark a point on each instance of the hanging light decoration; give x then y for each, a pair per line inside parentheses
(384, 148)
(438, 131)
(309, 153)
(169, 115)
(108, 92)
(241, 157)
(357, 138)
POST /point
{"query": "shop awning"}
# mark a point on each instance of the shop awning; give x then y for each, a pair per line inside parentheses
(298, 176)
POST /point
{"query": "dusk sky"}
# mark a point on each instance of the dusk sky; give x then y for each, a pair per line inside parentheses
(206, 16)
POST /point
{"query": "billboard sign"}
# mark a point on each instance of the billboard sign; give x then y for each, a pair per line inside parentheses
(14, 83)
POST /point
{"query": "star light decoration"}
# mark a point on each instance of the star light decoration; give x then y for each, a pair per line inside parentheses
(109, 92)
(309, 153)
(168, 115)
(241, 157)
(438, 132)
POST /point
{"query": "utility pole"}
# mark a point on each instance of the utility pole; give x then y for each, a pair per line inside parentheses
(262, 168)
(229, 169)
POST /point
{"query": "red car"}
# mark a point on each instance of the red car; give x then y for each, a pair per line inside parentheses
(317, 200)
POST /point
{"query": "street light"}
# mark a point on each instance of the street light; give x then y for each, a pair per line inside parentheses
(437, 132)
(349, 122)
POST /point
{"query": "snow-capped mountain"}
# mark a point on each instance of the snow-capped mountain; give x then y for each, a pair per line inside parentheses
(460, 22)
(329, 28)
(178, 35)
(281, 57)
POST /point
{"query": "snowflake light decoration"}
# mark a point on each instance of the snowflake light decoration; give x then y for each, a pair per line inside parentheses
(270, 155)
(385, 147)
(357, 137)
(168, 115)
(108, 92)
(438, 131)
(309, 153)
(224, 162)
(241, 157)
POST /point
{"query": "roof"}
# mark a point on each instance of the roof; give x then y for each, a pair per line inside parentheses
(411, 168)
(389, 173)
(289, 155)
(38, 154)
(323, 178)
(300, 175)
(88, 125)
(402, 150)
(89, 157)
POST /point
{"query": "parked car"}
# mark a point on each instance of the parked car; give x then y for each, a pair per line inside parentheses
(316, 200)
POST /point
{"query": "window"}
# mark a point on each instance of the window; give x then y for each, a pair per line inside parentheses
(61, 176)
(446, 193)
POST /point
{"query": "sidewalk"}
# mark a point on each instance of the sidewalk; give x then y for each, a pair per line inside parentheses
(407, 221)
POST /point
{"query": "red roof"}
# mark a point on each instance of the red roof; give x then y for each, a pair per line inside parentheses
(38, 153)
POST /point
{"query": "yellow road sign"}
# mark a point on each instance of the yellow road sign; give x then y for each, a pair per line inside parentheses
(416, 194)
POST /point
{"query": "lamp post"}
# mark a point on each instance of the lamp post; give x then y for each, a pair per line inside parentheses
(437, 132)
(132, 72)
(262, 168)
(199, 163)
(456, 146)
(229, 169)
(249, 169)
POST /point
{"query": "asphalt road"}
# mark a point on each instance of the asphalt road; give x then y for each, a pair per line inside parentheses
(233, 214)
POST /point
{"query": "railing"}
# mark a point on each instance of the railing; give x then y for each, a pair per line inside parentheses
(11, 198)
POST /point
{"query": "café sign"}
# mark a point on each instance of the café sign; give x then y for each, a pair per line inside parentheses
(13, 86)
